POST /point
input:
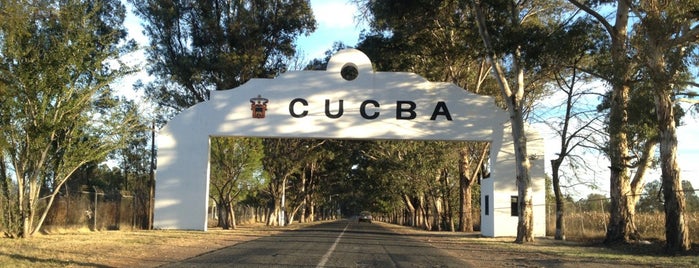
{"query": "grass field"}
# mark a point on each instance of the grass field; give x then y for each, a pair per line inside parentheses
(592, 226)
(117, 248)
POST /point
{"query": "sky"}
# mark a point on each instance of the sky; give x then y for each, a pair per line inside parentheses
(598, 172)
(337, 21)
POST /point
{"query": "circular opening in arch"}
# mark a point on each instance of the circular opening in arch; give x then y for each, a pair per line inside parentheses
(349, 72)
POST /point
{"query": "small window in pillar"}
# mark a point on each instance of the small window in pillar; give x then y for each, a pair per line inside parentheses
(486, 201)
(514, 206)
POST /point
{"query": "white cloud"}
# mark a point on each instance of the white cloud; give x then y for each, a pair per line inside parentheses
(335, 23)
(334, 14)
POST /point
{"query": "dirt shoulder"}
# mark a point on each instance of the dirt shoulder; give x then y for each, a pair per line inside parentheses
(156, 248)
(547, 252)
(123, 248)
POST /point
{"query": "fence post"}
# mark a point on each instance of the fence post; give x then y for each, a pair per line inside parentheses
(94, 214)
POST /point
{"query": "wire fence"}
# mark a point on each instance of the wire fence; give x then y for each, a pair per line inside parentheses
(586, 222)
(96, 210)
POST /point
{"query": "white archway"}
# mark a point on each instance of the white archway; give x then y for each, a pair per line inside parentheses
(323, 104)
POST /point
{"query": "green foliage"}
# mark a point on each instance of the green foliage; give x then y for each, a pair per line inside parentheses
(234, 165)
(199, 46)
(594, 202)
(57, 59)
(652, 199)
(435, 39)
(691, 196)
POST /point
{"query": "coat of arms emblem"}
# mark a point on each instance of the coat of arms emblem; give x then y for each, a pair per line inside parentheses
(258, 105)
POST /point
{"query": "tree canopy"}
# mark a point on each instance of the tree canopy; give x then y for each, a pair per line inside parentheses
(57, 59)
(200, 46)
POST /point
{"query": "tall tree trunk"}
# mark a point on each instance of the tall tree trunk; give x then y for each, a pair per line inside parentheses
(448, 213)
(222, 217)
(660, 57)
(525, 224)
(411, 210)
(312, 213)
(21, 204)
(274, 212)
(424, 211)
(513, 98)
(560, 205)
(435, 196)
(621, 226)
(304, 194)
(676, 230)
(621, 219)
(231, 215)
(438, 212)
(465, 182)
(644, 163)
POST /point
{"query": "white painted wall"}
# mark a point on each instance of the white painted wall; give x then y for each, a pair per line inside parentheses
(501, 185)
(183, 167)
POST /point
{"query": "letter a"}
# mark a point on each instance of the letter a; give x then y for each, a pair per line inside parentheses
(441, 109)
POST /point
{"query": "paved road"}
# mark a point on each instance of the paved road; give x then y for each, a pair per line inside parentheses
(341, 243)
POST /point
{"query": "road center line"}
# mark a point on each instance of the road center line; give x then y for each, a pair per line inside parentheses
(331, 249)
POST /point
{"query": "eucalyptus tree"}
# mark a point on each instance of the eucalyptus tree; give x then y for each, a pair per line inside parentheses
(473, 160)
(234, 165)
(643, 137)
(385, 163)
(666, 38)
(513, 33)
(200, 46)
(619, 71)
(435, 39)
(315, 166)
(57, 59)
(662, 38)
(135, 157)
(281, 160)
(430, 164)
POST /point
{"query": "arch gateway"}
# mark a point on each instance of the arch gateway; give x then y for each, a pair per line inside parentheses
(331, 104)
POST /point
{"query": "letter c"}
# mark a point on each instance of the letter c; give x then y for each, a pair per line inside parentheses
(291, 108)
(362, 109)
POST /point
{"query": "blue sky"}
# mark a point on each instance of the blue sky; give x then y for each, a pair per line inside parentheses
(336, 22)
(598, 164)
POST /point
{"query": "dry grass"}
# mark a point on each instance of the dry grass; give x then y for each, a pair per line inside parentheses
(592, 226)
(83, 248)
